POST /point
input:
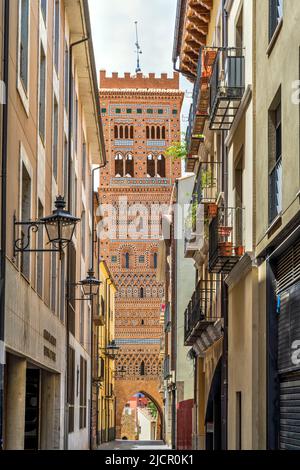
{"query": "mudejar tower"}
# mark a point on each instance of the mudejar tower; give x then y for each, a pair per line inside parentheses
(141, 118)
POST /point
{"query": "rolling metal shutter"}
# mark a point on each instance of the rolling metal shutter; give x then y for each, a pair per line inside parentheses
(288, 290)
(290, 414)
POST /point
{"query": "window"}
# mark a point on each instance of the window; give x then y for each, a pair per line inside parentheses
(40, 256)
(114, 259)
(126, 132)
(118, 111)
(121, 132)
(150, 166)
(238, 426)
(116, 132)
(25, 215)
(44, 9)
(160, 111)
(66, 66)
(147, 132)
(56, 35)
(275, 15)
(55, 138)
(82, 322)
(62, 289)
(161, 166)
(149, 111)
(139, 111)
(83, 164)
(24, 42)
(66, 166)
(141, 292)
(42, 93)
(129, 170)
(128, 111)
(152, 132)
(83, 393)
(72, 280)
(142, 368)
(131, 132)
(153, 261)
(83, 230)
(158, 132)
(71, 387)
(126, 261)
(119, 165)
(103, 110)
(141, 259)
(53, 281)
(275, 159)
(174, 111)
(76, 124)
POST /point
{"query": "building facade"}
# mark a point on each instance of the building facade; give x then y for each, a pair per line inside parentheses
(141, 117)
(53, 138)
(105, 373)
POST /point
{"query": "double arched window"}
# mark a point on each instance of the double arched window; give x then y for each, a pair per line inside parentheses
(124, 165)
(156, 166)
(156, 132)
(123, 132)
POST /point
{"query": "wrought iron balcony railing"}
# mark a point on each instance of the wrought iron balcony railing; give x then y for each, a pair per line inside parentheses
(199, 107)
(275, 191)
(226, 240)
(227, 86)
(200, 312)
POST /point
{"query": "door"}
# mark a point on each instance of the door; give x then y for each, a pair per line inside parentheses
(32, 404)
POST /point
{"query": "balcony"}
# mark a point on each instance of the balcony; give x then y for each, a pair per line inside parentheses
(275, 191)
(194, 231)
(227, 86)
(200, 312)
(199, 107)
(167, 322)
(226, 236)
(166, 369)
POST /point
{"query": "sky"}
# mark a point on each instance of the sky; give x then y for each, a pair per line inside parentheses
(114, 40)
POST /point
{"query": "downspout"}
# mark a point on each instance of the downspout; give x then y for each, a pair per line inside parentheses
(67, 319)
(6, 20)
(224, 288)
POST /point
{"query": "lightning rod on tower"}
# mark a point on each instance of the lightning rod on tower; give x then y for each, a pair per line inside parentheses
(138, 49)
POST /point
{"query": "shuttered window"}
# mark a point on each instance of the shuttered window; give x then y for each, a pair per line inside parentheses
(288, 268)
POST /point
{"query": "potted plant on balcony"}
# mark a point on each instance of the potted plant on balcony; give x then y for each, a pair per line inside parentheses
(177, 151)
(225, 248)
(207, 183)
(239, 250)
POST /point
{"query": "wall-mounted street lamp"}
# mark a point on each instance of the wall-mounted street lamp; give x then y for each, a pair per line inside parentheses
(90, 285)
(111, 350)
(60, 226)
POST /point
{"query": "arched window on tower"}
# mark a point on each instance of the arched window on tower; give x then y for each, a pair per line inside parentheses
(142, 368)
(161, 166)
(121, 132)
(152, 132)
(126, 260)
(158, 132)
(147, 132)
(153, 262)
(163, 132)
(142, 294)
(129, 170)
(119, 171)
(116, 133)
(131, 132)
(150, 166)
(126, 132)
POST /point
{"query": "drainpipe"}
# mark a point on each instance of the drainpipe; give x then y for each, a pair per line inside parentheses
(70, 116)
(224, 289)
(5, 20)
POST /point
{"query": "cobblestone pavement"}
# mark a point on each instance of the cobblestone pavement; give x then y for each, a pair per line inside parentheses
(133, 445)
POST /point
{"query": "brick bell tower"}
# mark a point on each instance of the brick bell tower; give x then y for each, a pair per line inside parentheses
(141, 118)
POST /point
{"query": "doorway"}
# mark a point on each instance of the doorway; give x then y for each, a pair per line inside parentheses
(32, 410)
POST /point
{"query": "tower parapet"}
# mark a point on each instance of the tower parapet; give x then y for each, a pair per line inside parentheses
(139, 81)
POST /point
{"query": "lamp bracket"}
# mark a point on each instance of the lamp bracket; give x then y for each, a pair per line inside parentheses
(22, 244)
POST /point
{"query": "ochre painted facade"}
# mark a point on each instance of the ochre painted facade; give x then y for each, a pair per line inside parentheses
(141, 117)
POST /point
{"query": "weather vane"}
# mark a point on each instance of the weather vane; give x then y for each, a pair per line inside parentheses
(138, 50)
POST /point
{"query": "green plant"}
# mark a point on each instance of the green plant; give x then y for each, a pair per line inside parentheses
(177, 150)
(153, 410)
(207, 179)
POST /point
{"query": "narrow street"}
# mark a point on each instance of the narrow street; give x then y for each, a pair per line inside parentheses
(133, 445)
